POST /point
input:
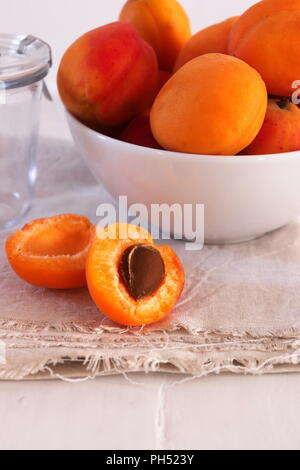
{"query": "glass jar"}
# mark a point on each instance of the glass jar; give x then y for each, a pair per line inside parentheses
(24, 63)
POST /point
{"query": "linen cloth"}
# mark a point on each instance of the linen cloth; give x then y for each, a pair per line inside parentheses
(240, 311)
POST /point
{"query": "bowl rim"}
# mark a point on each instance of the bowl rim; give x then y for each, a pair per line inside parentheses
(169, 153)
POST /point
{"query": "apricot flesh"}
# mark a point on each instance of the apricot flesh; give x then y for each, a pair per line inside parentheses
(214, 105)
(52, 252)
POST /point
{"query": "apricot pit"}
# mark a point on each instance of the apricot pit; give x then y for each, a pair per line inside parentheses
(142, 270)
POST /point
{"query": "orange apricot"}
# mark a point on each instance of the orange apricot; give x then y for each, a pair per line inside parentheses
(280, 132)
(52, 252)
(108, 76)
(267, 37)
(213, 39)
(214, 105)
(132, 281)
(162, 23)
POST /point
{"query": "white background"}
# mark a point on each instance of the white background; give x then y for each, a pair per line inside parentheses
(228, 412)
(60, 22)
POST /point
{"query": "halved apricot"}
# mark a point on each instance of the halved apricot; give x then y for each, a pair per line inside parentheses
(132, 281)
(52, 252)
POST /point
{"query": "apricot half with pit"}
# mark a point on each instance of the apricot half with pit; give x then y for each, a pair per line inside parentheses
(132, 281)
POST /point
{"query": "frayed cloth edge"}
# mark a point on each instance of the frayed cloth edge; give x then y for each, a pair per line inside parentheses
(98, 329)
(98, 365)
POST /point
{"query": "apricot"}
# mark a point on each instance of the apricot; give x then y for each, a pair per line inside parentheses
(267, 37)
(280, 131)
(215, 105)
(163, 77)
(132, 281)
(162, 23)
(213, 39)
(138, 132)
(109, 131)
(108, 76)
(52, 252)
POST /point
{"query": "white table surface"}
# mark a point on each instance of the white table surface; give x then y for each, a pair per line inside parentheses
(225, 412)
(149, 412)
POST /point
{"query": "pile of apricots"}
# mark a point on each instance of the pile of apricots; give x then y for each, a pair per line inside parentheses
(227, 90)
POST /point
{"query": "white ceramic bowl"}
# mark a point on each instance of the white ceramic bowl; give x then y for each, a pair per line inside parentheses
(244, 197)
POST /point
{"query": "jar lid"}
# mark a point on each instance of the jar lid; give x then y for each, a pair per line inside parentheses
(23, 60)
